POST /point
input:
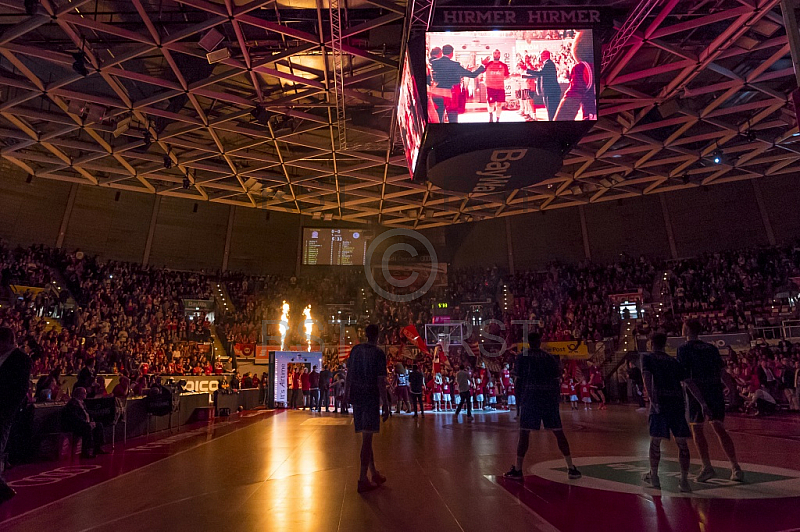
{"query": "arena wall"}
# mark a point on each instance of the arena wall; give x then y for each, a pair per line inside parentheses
(117, 226)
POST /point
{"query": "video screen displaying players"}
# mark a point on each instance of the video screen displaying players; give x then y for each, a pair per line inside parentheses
(511, 76)
(334, 247)
(410, 117)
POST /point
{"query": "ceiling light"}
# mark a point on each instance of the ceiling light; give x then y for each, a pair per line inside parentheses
(122, 126)
(211, 40)
(717, 157)
(218, 55)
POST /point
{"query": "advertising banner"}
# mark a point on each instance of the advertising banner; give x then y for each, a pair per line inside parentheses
(244, 350)
(723, 342)
(573, 349)
(284, 361)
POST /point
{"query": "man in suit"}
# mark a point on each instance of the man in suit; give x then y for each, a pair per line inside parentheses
(15, 380)
(447, 74)
(77, 421)
(547, 79)
(86, 375)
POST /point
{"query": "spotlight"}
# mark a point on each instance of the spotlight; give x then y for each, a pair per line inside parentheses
(261, 115)
(147, 138)
(750, 135)
(167, 162)
(716, 157)
(79, 65)
(186, 183)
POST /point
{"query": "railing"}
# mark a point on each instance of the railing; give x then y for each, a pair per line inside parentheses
(791, 329)
(768, 333)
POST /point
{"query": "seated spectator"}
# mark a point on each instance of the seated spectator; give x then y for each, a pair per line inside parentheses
(77, 420)
(122, 389)
(98, 388)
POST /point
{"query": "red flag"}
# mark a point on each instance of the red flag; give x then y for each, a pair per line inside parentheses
(411, 334)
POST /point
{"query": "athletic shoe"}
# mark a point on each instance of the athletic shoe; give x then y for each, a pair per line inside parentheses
(737, 475)
(6, 492)
(573, 473)
(378, 479)
(514, 474)
(366, 485)
(652, 480)
(684, 486)
(706, 474)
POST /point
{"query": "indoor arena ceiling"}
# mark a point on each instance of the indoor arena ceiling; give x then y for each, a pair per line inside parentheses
(685, 82)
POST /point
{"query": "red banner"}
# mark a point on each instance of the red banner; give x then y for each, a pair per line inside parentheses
(411, 334)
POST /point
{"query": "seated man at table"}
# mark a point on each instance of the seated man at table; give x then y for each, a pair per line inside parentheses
(77, 420)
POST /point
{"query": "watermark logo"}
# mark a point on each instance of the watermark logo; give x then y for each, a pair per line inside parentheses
(386, 269)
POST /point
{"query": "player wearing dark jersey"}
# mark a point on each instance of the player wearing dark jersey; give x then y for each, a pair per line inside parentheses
(703, 367)
(662, 380)
(365, 389)
(537, 386)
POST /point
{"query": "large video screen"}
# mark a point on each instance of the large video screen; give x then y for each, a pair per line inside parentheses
(334, 247)
(410, 117)
(511, 76)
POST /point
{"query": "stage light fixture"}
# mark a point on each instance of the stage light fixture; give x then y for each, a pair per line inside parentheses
(750, 135)
(186, 183)
(79, 65)
(31, 6)
(261, 115)
(167, 162)
(147, 138)
(316, 216)
(716, 157)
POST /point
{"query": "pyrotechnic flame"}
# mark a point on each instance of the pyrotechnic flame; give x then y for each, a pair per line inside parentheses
(309, 324)
(284, 324)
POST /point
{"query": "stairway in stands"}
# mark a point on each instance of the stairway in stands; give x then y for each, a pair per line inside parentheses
(224, 304)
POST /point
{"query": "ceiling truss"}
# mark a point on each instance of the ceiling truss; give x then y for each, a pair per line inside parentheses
(299, 117)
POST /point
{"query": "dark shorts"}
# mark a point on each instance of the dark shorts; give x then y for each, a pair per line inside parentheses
(402, 393)
(536, 412)
(367, 417)
(495, 95)
(715, 401)
(669, 420)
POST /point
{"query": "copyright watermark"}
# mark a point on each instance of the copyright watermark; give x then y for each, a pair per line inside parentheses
(388, 269)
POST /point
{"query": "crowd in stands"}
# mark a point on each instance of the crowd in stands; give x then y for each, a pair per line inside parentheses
(130, 318)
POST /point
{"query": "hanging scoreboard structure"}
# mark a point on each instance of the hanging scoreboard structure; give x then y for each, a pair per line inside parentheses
(493, 98)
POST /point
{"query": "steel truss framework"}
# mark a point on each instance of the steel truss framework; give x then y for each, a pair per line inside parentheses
(693, 80)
